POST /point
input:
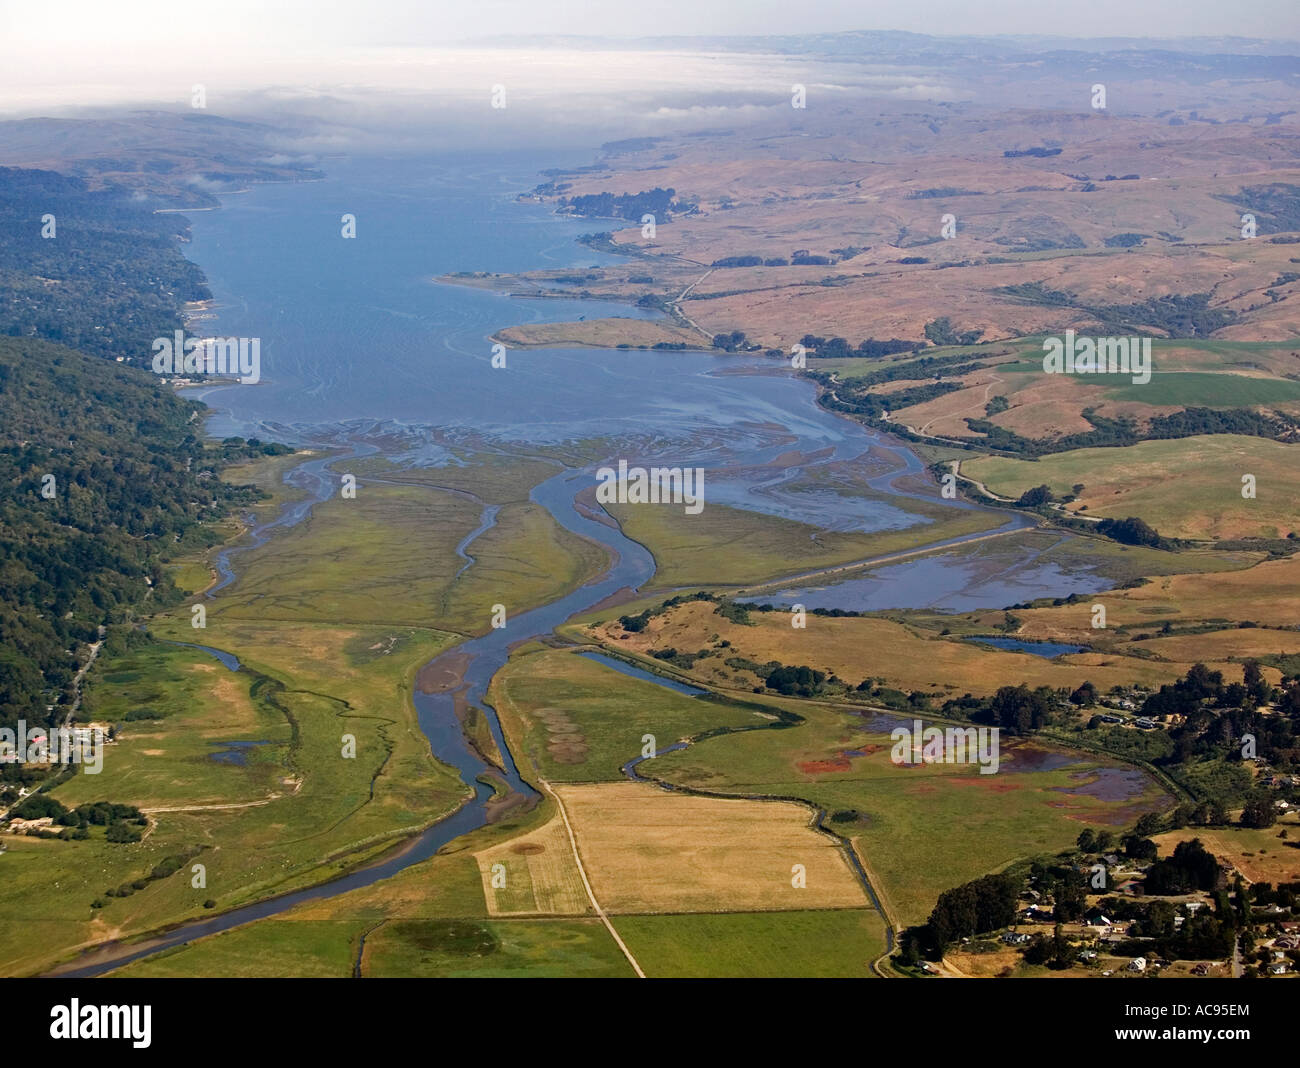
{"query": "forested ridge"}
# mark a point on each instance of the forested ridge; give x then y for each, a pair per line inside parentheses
(131, 484)
(104, 475)
(110, 279)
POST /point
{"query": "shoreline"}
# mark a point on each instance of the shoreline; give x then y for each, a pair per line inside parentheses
(445, 676)
(524, 346)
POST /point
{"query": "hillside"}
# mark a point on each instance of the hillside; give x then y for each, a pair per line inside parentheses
(131, 484)
(90, 269)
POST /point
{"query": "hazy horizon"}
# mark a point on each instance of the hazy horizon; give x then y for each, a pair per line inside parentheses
(80, 54)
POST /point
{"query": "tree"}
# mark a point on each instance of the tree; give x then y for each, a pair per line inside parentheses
(1159, 920)
(983, 905)
(1018, 709)
(1085, 696)
(1254, 681)
(120, 832)
(1138, 848)
(39, 806)
(1071, 900)
(1148, 823)
(800, 681)
(1035, 497)
(1056, 952)
(1191, 867)
(909, 947)
(729, 342)
(1258, 813)
(1130, 531)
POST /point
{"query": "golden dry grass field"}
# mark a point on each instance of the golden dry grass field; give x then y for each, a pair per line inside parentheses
(649, 850)
(1042, 244)
(907, 657)
(869, 198)
(1265, 594)
(539, 874)
(1185, 488)
(600, 334)
(1262, 855)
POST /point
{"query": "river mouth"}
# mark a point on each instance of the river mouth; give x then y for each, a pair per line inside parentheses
(432, 397)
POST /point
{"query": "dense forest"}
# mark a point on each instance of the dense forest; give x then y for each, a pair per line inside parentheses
(108, 276)
(130, 483)
(103, 470)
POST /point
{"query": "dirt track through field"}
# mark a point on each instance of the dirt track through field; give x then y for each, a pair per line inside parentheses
(587, 883)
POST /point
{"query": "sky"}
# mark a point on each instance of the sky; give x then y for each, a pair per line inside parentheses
(74, 28)
(77, 53)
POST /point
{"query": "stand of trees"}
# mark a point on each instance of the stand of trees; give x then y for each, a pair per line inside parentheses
(973, 908)
(941, 332)
(1015, 709)
(800, 681)
(631, 206)
(1132, 531)
(1106, 433)
(840, 348)
(1191, 867)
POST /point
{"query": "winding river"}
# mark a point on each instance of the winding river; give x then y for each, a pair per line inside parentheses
(424, 387)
